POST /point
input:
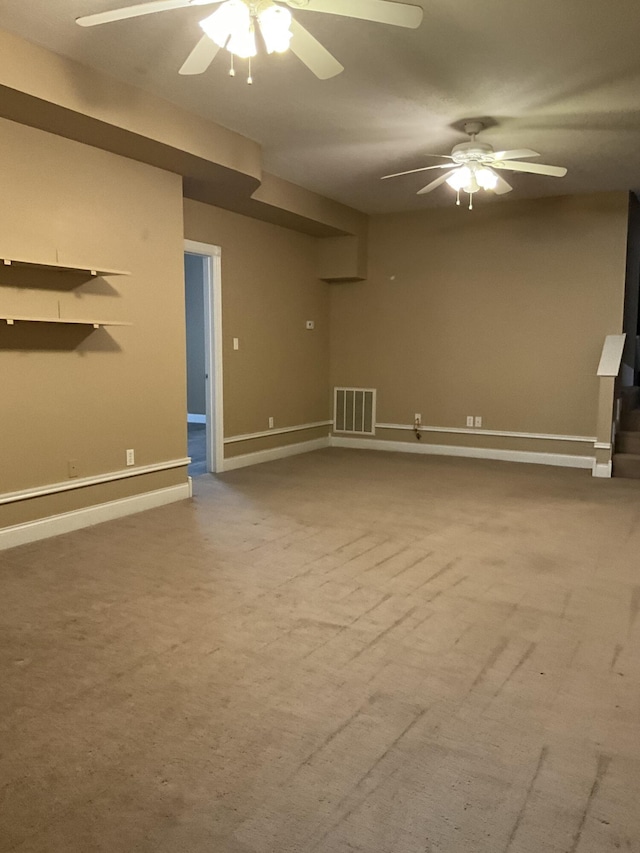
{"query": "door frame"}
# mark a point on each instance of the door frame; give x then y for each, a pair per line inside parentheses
(212, 350)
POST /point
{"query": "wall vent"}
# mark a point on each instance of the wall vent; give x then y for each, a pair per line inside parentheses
(354, 410)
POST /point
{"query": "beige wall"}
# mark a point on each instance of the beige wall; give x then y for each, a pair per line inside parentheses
(68, 394)
(269, 290)
(500, 312)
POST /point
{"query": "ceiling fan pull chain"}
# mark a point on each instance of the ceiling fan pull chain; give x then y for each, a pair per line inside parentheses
(250, 78)
(470, 201)
(232, 70)
(458, 197)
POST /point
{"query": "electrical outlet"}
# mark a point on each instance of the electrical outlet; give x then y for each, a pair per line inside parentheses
(131, 457)
(310, 324)
(417, 417)
(469, 420)
(72, 467)
(477, 422)
(270, 423)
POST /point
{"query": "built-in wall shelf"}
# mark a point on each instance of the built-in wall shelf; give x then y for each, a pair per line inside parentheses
(94, 272)
(10, 320)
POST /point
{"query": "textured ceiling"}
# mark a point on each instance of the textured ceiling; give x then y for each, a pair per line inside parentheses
(559, 76)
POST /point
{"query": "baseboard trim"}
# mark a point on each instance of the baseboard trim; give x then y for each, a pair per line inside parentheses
(563, 460)
(602, 469)
(232, 439)
(54, 525)
(246, 459)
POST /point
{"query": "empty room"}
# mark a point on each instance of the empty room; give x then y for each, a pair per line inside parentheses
(319, 426)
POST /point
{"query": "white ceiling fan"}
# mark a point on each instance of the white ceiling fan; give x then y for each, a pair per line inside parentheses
(474, 163)
(233, 25)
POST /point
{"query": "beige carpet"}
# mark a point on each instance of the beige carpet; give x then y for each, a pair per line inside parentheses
(337, 652)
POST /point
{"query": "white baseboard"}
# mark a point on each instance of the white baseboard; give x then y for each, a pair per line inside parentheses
(564, 460)
(54, 525)
(196, 419)
(602, 469)
(259, 456)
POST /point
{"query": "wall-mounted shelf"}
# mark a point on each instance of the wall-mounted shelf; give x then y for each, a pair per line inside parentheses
(94, 272)
(10, 320)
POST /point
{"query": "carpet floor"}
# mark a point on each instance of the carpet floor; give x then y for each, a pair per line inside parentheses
(196, 449)
(342, 651)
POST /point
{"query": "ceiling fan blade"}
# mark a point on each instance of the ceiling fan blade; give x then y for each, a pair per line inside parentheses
(436, 183)
(200, 57)
(309, 51)
(138, 10)
(413, 171)
(515, 154)
(380, 11)
(502, 186)
(532, 168)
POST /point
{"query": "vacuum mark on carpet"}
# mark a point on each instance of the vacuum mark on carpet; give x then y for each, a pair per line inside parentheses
(382, 634)
(616, 655)
(385, 560)
(386, 752)
(410, 566)
(525, 657)
(439, 573)
(493, 657)
(334, 734)
(603, 765)
(419, 716)
(541, 760)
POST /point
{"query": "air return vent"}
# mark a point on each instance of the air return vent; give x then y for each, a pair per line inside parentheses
(354, 410)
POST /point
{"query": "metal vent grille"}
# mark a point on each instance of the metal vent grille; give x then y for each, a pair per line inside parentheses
(354, 410)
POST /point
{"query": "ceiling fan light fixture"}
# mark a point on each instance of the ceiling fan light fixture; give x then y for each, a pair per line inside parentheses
(243, 43)
(486, 179)
(275, 23)
(460, 179)
(230, 26)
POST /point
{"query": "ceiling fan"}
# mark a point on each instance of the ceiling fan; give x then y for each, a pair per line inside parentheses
(233, 25)
(474, 163)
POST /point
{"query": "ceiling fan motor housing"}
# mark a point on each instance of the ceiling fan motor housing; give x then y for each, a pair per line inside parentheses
(472, 152)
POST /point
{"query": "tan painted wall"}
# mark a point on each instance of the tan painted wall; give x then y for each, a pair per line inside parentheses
(500, 312)
(269, 290)
(67, 395)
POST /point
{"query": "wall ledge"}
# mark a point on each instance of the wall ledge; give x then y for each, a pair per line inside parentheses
(96, 480)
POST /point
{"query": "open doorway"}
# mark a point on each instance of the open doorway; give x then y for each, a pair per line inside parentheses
(203, 306)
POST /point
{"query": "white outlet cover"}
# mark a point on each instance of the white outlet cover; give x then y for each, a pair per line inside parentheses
(478, 421)
(469, 420)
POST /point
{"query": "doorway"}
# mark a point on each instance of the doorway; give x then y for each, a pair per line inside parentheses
(203, 311)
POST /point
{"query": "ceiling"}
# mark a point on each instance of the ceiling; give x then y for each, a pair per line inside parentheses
(559, 76)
